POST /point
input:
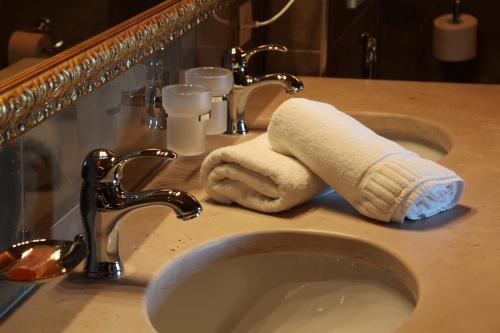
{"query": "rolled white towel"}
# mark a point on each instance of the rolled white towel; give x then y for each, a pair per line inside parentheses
(378, 177)
(254, 176)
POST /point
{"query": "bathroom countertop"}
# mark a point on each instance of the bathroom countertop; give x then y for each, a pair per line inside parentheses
(454, 256)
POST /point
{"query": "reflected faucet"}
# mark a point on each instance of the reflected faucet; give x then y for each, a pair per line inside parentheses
(245, 84)
(370, 55)
(104, 202)
(155, 118)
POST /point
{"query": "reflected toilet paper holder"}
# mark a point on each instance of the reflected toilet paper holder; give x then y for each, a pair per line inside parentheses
(33, 42)
(44, 26)
(46, 48)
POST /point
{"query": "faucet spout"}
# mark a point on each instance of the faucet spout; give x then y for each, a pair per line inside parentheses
(185, 206)
(241, 93)
(104, 203)
(289, 82)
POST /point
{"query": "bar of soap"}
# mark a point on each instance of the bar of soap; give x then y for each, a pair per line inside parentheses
(38, 264)
(6, 259)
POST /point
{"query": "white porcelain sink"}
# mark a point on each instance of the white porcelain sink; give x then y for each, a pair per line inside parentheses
(283, 282)
(416, 134)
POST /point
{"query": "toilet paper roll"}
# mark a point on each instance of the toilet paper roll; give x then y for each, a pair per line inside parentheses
(24, 44)
(455, 41)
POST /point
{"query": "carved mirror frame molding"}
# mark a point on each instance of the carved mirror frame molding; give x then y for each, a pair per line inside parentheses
(34, 95)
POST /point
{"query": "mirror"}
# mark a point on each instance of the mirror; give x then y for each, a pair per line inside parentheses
(42, 29)
(33, 95)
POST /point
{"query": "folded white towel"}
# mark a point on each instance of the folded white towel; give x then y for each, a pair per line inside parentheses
(254, 176)
(378, 177)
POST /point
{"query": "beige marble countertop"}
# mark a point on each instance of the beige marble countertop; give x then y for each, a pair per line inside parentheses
(455, 256)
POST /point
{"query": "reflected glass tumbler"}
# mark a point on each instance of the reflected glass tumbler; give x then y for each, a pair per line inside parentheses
(188, 109)
(220, 82)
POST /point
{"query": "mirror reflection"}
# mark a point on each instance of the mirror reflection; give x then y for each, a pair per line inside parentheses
(378, 39)
(33, 31)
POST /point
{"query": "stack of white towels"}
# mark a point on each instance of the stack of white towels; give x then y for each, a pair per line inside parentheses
(311, 146)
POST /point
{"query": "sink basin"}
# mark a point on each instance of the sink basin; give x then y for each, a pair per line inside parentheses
(415, 134)
(283, 282)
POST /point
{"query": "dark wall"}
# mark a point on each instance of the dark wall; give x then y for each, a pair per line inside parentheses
(119, 10)
(403, 29)
(301, 29)
(406, 42)
(72, 21)
(345, 26)
(404, 33)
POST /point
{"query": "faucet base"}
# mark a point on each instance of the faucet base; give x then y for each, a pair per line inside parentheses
(106, 270)
(238, 128)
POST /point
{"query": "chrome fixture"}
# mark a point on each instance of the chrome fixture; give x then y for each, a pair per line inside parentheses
(44, 26)
(236, 59)
(245, 84)
(149, 97)
(104, 202)
(155, 118)
(456, 11)
(369, 55)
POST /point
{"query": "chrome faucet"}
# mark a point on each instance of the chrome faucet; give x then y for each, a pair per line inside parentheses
(245, 84)
(104, 202)
(236, 59)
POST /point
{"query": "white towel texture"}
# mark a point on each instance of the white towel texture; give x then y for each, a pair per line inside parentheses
(254, 176)
(378, 177)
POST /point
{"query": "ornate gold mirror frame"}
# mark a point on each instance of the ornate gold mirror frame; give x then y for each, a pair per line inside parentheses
(34, 95)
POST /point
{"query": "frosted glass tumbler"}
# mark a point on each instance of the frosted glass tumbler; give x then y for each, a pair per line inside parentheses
(220, 82)
(188, 109)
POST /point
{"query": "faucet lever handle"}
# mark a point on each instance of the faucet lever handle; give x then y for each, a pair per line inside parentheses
(102, 165)
(266, 47)
(236, 58)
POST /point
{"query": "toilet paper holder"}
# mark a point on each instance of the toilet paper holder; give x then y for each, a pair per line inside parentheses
(44, 26)
(455, 10)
